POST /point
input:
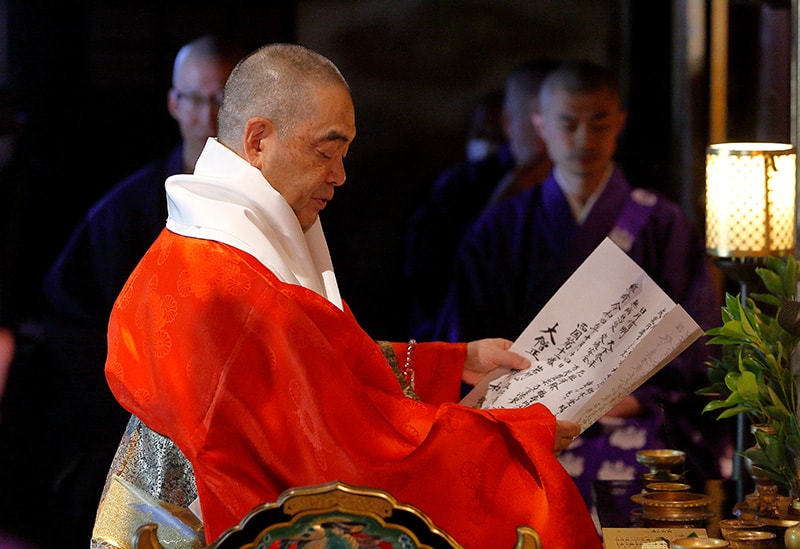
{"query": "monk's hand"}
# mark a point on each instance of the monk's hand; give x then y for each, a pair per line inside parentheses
(566, 431)
(485, 355)
(628, 407)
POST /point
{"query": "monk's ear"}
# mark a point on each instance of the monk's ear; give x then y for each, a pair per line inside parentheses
(623, 117)
(257, 133)
(538, 121)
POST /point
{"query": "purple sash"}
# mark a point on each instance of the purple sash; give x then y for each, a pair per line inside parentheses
(632, 218)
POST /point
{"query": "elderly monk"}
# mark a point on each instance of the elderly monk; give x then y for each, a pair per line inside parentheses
(230, 337)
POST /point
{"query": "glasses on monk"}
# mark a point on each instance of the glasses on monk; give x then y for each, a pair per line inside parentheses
(198, 101)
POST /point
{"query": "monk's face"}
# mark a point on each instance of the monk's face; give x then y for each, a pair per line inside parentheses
(306, 163)
(580, 130)
(195, 98)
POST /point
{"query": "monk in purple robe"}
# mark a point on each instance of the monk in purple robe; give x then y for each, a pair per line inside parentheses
(520, 252)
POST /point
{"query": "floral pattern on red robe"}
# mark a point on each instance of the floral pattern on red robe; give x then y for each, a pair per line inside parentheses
(266, 385)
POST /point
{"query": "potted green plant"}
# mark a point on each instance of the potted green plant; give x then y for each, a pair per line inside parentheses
(754, 374)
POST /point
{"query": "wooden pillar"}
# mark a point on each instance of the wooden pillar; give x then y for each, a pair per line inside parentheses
(718, 72)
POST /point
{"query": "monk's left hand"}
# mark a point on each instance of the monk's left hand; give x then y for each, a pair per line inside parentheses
(485, 355)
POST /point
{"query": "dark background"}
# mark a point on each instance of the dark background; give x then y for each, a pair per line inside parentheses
(92, 77)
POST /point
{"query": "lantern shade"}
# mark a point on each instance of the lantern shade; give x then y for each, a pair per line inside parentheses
(750, 199)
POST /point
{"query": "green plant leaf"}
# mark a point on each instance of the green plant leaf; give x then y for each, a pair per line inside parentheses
(745, 326)
(735, 411)
(736, 329)
(744, 383)
(772, 280)
(775, 453)
(790, 275)
(768, 299)
(753, 374)
(717, 404)
(759, 458)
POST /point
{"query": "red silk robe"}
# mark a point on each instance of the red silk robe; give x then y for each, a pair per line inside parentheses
(265, 386)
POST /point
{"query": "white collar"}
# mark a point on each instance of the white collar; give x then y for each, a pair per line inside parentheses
(581, 211)
(228, 200)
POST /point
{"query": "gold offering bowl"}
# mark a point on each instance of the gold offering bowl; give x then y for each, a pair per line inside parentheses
(673, 508)
(729, 525)
(666, 487)
(661, 476)
(660, 460)
(693, 543)
(779, 525)
(751, 539)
